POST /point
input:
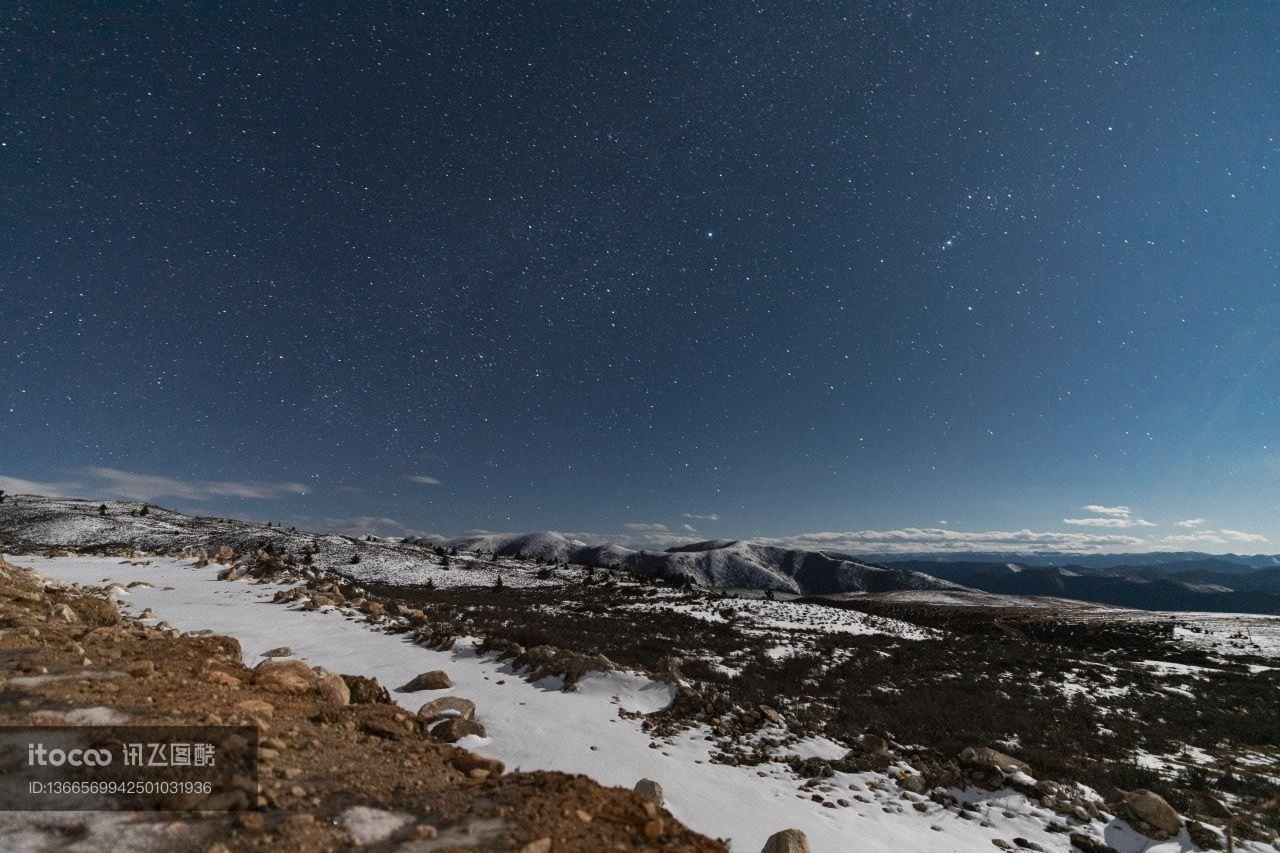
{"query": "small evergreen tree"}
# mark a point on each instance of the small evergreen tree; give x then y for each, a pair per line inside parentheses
(102, 510)
(144, 510)
(355, 558)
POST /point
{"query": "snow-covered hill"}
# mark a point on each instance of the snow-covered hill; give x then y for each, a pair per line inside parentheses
(32, 523)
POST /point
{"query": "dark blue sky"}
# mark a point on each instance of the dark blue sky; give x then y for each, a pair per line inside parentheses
(601, 268)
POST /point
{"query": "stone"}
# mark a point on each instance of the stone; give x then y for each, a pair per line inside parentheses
(445, 707)
(64, 613)
(1089, 844)
(437, 679)
(651, 791)
(366, 691)
(770, 714)
(455, 728)
(284, 676)
(468, 761)
(256, 707)
(1153, 809)
(787, 841)
(542, 845)
(332, 689)
(278, 652)
(984, 757)
(387, 721)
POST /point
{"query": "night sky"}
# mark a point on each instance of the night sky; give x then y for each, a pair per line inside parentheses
(623, 269)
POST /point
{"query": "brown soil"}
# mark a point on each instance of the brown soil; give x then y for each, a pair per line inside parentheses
(317, 758)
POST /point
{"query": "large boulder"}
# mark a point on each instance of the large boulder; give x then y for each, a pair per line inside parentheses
(456, 728)
(437, 679)
(284, 676)
(787, 841)
(651, 791)
(986, 758)
(445, 707)
(1151, 809)
(332, 689)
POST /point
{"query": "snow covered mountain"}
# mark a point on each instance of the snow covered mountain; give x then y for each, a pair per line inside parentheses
(735, 563)
(33, 522)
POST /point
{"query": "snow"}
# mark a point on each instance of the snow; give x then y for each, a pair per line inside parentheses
(536, 726)
(369, 825)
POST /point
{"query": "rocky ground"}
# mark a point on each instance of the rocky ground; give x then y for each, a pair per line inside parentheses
(1104, 720)
(340, 765)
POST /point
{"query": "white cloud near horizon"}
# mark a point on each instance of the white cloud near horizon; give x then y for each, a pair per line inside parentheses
(1190, 522)
(147, 487)
(19, 486)
(425, 480)
(1121, 511)
(1108, 516)
(646, 528)
(1241, 536)
(695, 517)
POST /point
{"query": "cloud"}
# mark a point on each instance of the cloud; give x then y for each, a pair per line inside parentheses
(1241, 536)
(1200, 537)
(1108, 516)
(690, 528)
(1121, 511)
(152, 486)
(18, 486)
(425, 480)
(1108, 522)
(359, 525)
(1190, 522)
(917, 539)
(693, 515)
(647, 528)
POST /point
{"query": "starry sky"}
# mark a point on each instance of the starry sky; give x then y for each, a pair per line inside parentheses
(903, 274)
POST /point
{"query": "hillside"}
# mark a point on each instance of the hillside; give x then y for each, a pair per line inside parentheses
(36, 522)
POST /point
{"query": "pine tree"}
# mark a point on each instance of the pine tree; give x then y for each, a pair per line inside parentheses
(102, 510)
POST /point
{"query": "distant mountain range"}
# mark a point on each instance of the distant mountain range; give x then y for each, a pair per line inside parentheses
(718, 562)
(1187, 581)
(1182, 559)
(1222, 586)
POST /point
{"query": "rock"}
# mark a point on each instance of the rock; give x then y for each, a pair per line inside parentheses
(256, 707)
(278, 652)
(651, 791)
(64, 613)
(219, 676)
(387, 721)
(332, 689)
(435, 680)
(1154, 810)
(770, 714)
(447, 706)
(1089, 844)
(224, 554)
(542, 845)
(468, 761)
(653, 829)
(366, 691)
(373, 608)
(986, 758)
(455, 728)
(284, 676)
(787, 841)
